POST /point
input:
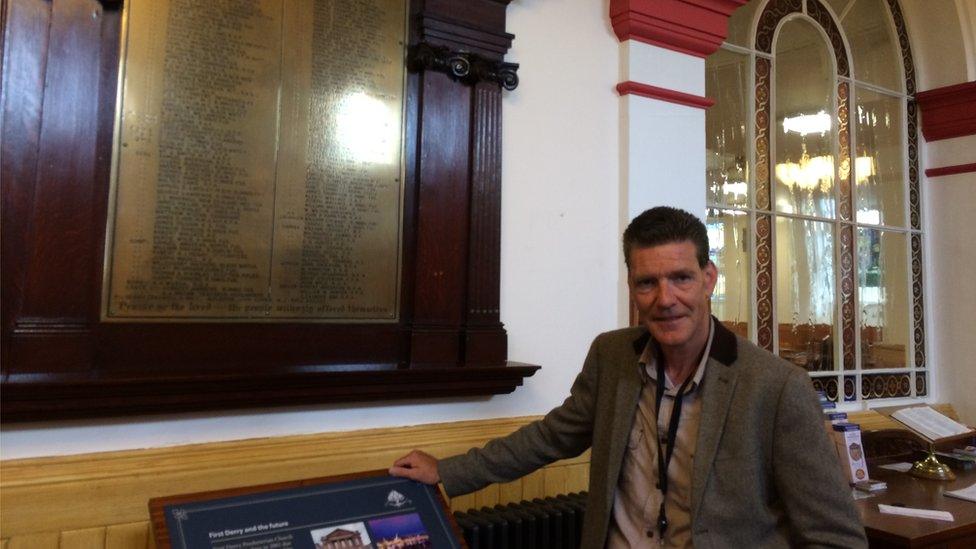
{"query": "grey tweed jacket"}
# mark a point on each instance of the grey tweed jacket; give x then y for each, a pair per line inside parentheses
(765, 473)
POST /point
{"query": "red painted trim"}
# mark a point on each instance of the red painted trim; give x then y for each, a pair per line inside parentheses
(664, 94)
(948, 112)
(950, 170)
(695, 27)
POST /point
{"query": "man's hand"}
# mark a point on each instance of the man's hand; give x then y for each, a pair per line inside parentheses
(417, 465)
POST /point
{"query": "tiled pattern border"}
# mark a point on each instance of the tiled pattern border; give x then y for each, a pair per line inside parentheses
(914, 196)
(818, 12)
(764, 245)
(844, 172)
(917, 302)
(886, 386)
(847, 251)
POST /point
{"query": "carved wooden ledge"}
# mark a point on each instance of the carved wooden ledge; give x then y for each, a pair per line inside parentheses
(470, 68)
(73, 396)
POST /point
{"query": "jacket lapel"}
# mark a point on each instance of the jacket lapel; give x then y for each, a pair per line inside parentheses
(628, 394)
(717, 391)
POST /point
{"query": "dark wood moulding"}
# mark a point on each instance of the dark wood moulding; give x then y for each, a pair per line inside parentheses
(60, 65)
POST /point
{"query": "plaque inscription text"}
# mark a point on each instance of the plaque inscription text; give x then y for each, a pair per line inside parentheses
(257, 171)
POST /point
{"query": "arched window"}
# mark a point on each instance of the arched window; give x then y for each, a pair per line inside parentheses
(812, 190)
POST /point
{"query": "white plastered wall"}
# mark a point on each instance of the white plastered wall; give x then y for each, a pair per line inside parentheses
(662, 144)
(943, 34)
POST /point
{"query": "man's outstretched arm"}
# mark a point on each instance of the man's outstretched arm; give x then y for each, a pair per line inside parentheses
(566, 431)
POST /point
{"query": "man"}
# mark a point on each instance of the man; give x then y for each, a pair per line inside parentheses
(738, 431)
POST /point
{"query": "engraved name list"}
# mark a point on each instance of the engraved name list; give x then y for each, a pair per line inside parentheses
(257, 168)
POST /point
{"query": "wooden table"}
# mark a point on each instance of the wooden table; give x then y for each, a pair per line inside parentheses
(898, 531)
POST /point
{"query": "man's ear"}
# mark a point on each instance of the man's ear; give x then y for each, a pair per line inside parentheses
(711, 277)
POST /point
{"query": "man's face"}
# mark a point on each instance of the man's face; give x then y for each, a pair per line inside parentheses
(671, 293)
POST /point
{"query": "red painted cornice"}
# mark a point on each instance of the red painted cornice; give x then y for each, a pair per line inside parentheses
(950, 170)
(948, 112)
(664, 94)
(695, 27)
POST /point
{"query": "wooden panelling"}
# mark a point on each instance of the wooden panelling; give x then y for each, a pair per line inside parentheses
(100, 500)
(49, 540)
(533, 485)
(25, 54)
(510, 491)
(134, 535)
(61, 241)
(555, 480)
(489, 496)
(461, 503)
(579, 475)
(87, 538)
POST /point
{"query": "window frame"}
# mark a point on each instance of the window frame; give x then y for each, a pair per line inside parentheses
(765, 21)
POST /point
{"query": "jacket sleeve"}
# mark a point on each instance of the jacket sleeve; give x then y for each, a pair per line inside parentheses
(807, 473)
(566, 431)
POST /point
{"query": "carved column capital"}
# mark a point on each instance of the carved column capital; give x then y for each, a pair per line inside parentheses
(467, 67)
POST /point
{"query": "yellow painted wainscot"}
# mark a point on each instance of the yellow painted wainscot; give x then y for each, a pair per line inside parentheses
(96, 501)
(100, 500)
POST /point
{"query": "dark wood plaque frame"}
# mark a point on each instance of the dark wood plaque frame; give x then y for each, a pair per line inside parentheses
(60, 70)
(157, 506)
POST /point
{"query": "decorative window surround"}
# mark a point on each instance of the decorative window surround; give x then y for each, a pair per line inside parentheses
(849, 382)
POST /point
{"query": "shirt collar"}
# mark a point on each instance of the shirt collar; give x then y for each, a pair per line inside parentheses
(648, 361)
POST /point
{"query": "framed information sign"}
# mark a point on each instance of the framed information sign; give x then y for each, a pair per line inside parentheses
(363, 510)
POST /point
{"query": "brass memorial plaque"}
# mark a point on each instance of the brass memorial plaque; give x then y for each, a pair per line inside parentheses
(257, 168)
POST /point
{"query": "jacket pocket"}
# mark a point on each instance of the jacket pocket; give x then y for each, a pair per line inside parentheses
(636, 437)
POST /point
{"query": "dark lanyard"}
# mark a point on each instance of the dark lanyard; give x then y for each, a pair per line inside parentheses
(664, 461)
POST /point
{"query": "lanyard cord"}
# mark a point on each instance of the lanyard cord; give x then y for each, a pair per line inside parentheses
(664, 461)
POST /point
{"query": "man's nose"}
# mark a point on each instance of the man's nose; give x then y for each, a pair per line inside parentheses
(665, 295)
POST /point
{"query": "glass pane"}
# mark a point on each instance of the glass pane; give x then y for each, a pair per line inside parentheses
(804, 83)
(728, 238)
(879, 167)
(727, 171)
(805, 292)
(839, 6)
(740, 24)
(882, 289)
(874, 47)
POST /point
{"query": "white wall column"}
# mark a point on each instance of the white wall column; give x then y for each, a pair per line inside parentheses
(663, 45)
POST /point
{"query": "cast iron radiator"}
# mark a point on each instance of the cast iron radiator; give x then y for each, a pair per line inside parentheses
(550, 523)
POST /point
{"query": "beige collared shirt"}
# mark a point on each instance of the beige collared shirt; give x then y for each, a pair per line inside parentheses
(637, 499)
